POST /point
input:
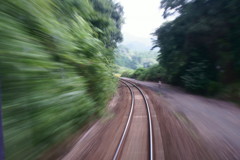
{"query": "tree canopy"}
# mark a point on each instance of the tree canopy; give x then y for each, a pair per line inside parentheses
(200, 48)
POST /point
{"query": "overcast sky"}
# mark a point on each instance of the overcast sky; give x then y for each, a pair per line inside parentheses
(142, 17)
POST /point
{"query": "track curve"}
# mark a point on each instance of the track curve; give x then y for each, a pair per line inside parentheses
(127, 126)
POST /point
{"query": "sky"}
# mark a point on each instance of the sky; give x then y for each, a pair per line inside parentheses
(142, 17)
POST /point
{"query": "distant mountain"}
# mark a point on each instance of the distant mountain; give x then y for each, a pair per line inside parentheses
(133, 59)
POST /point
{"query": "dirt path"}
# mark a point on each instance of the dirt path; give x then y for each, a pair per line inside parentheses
(214, 123)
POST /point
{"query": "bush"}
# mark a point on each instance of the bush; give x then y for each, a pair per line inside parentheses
(213, 87)
(153, 73)
(126, 74)
(56, 71)
(195, 78)
(231, 92)
(137, 73)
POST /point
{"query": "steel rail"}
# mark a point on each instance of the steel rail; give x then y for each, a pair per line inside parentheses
(149, 120)
(127, 124)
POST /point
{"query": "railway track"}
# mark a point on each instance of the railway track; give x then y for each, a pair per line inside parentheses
(134, 124)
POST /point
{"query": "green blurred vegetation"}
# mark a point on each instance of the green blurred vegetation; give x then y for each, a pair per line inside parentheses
(56, 60)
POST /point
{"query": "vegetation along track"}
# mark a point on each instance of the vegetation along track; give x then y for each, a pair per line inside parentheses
(139, 123)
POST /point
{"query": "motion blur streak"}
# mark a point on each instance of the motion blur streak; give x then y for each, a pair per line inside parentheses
(1, 128)
(56, 69)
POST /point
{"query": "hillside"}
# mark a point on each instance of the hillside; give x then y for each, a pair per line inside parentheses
(132, 59)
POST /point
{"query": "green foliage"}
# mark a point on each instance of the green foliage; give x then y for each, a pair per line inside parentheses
(134, 59)
(231, 91)
(170, 6)
(200, 48)
(195, 78)
(126, 74)
(137, 73)
(153, 73)
(107, 21)
(56, 60)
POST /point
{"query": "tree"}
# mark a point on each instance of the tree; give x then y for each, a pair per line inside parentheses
(203, 37)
